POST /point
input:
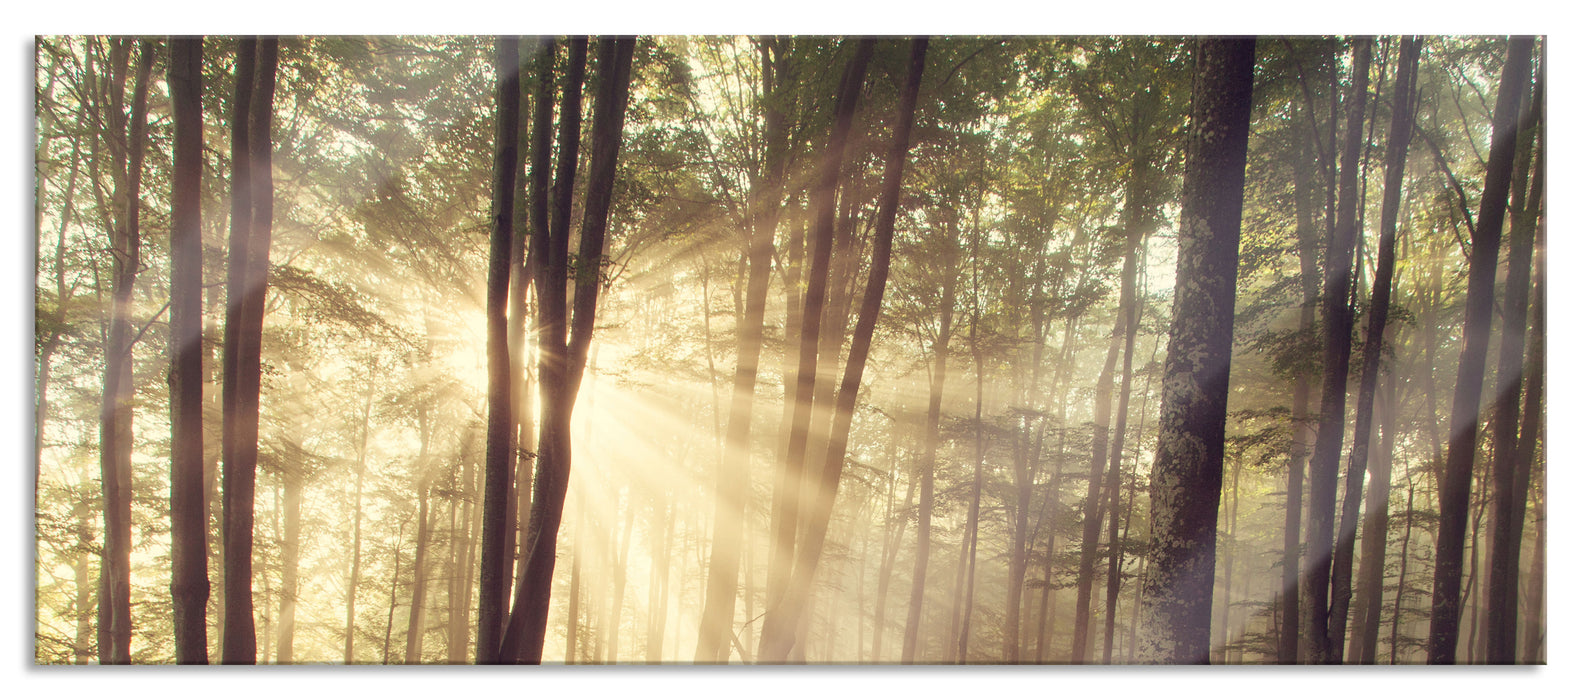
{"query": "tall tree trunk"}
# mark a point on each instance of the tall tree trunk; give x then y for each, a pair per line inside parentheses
(733, 486)
(493, 578)
(115, 416)
(1509, 485)
(1131, 312)
(1301, 428)
(1223, 644)
(1532, 424)
(1378, 308)
(354, 574)
(1062, 385)
(290, 559)
(969, 543)
(1185, 483)
(1121, 333)
(1325, 466)
(619, 558)
(252, 210)
(776, 641)
(574, 588)
(189, 556)
(661, 528)
(562, 361)
(1455, 488)
(1400, 581)
(415, 613)
(1375, 535)
(779, 628)
(395, 582)
(1533, 638)
(892, 547)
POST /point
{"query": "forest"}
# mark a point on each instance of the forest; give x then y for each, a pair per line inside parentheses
(789, 350)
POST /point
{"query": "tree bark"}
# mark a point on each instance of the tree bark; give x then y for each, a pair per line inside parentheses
(1325, 466)
(189, 557)
(1404, 107)
(1455, 488)
(1187, 473)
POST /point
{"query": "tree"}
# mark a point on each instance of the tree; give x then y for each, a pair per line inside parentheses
(1325, 466)
(733, 485)
(493, 579)
(1511, 471)
(776, 643)
(1187, 473)
(247, 281)
(1372, 348)
(562, 359)
(128, 142)
(1456, 486)
(189, 584)
(777, 638)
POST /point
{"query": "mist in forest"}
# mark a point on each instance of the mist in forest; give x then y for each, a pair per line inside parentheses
(785, 350)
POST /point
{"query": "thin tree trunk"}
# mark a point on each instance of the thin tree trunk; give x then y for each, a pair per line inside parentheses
(1533, 640)
(1325, 466)
(290, 558)
(354, 574)
(1063, 379)
(1372, 348)
(493, 578)
(1131, 312)
(1093, 510)
(189, 557)
(1375, 533)
(779, 629)
(969, 547)
(734, 487)
(621, 555)
(415, 613)
(1510, 485)
(1455, 488)
(1230, 563)
(563, 361)
(1400, 582)
(775, 645)
(887, 565)
(1532, 425)
(1301, 427)
(251, 217)
(574, 589)
(115, 454)
(1185, 484)
(395, 581)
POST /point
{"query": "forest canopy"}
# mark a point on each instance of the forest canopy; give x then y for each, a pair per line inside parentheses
(789, 349)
